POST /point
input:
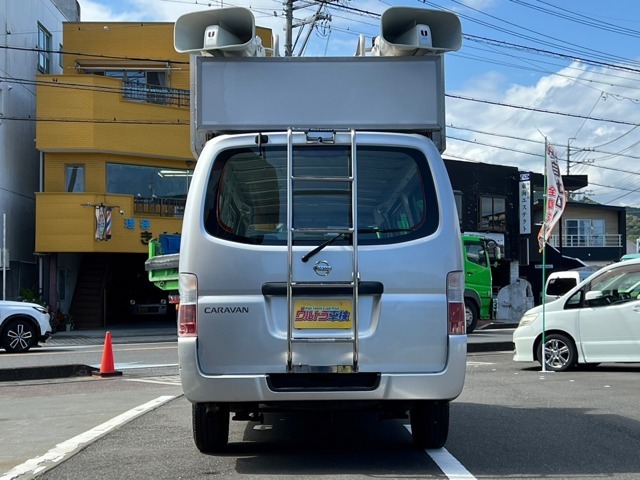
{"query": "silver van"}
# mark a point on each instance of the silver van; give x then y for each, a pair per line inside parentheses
(320, 268)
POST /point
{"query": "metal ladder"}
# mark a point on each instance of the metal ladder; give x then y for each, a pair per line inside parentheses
(296, 287)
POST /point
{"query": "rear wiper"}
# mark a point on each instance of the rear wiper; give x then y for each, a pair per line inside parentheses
(360, 230)
(321, 246)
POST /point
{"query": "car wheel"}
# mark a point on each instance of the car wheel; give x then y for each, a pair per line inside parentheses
(210, 426)
(560, 353)
(471, 315)
(19, 336)
(430, 423)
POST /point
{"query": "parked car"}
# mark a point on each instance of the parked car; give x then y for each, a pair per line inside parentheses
(23, 325)
(559, 283)
(595, 322)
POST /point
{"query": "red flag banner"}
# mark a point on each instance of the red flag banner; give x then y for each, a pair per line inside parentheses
(556, 197)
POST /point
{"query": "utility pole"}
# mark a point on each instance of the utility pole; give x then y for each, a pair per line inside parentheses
(569, 152)
(288, 31)
(289, 25)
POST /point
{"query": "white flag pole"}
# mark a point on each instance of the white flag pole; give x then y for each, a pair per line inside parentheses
(545, 212)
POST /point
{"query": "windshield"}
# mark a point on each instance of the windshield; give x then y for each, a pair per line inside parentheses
(247, 195)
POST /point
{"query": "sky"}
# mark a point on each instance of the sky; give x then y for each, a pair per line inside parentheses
(567, 71)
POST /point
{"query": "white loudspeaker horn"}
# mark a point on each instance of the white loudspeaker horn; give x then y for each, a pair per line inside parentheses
(224, 31)
(408, 31)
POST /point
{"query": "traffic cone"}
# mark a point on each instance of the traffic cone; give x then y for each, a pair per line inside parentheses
(107, 367)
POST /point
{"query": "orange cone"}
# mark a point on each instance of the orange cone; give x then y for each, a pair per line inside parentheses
(107, 367)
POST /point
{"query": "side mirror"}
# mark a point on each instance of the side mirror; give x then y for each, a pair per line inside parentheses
(593, 295)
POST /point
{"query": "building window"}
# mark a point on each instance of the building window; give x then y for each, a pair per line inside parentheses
(156, 190)
(44, 50)
(60, 57)
(141, 85)
(492, 214)
(584, 232)
(74, 178)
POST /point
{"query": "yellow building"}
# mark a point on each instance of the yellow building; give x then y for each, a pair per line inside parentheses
(114, 136)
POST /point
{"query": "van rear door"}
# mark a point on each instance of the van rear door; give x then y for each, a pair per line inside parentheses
(255, 274)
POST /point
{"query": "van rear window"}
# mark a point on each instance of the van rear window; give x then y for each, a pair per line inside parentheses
(560, 286)
(247, 194)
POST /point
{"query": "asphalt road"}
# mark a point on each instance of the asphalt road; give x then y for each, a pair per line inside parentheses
(511, 421)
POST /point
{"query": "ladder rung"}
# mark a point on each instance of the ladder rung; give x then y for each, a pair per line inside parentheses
(322, 339)
(322, 284)
(318, 178)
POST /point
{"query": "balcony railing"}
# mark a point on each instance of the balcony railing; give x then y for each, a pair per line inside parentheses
(608, 240)
(144, 92)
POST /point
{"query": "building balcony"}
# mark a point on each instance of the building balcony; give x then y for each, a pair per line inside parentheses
(607, 240)
(592, 249)
(93, 113)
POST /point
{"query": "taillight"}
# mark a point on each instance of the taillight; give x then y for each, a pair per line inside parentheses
(455, 303)
(188, 309)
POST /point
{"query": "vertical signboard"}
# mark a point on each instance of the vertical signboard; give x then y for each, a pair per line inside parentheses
(524, 200)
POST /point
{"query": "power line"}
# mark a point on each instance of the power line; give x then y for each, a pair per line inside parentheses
(540, 110)
(539, 51)
(579, 18)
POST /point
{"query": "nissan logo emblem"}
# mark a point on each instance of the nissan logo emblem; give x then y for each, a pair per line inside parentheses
(322, 268)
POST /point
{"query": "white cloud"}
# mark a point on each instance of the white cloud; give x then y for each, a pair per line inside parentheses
(479, 4)
(577, 96)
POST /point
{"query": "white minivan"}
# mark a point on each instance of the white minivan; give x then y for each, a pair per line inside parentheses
(595, 322)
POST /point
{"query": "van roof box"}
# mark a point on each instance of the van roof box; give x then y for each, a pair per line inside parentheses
(399, 87)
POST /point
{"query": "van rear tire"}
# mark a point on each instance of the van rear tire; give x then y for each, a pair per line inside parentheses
(210, 426)
(430, 423)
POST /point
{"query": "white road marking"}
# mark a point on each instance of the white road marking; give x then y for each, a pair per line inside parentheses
(474, 364)
(446, 462)
(175, 381)
(71, 446)
(131, 365)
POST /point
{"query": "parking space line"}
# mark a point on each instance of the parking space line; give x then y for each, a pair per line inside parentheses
(67, 448)
(446, 462)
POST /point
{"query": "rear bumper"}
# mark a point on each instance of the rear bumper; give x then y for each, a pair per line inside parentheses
(444, 385)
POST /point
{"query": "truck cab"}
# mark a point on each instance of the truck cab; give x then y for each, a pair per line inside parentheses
(479, 254)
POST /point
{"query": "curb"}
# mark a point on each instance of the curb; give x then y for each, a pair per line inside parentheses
(45, 372)
(490, 347)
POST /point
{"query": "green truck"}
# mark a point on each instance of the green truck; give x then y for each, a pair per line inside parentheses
(162, 264)
(479, 254)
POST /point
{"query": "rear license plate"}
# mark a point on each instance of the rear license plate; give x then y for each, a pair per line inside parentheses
(322, 314)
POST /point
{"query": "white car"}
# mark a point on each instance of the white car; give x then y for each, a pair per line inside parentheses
(595, 322)
(23, 325)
